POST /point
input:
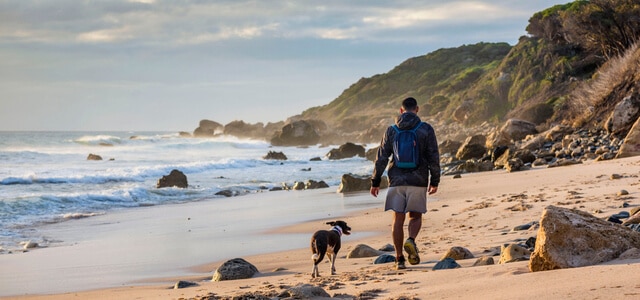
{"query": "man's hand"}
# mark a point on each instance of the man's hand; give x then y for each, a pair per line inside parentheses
(374, 191)
(432, 189)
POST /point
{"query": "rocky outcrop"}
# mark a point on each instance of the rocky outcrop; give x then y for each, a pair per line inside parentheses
(570, 238)
(297, 133)
(346, 150)
(241, 129)
(208, 128)
(174, 179)
(233, 269)
(357, 183)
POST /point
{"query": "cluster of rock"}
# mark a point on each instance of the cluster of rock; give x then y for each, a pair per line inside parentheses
(517, 146)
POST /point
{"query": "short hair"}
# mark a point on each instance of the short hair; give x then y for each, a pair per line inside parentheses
(409, 104)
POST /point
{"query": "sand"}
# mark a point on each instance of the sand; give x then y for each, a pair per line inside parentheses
(477, 211)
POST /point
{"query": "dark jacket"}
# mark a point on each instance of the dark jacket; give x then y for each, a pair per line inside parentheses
(429, 156)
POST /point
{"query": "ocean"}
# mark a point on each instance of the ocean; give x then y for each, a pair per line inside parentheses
(46, 178)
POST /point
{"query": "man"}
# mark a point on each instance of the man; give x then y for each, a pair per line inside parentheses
(408, 187)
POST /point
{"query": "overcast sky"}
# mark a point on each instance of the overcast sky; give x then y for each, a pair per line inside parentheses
(165, 65)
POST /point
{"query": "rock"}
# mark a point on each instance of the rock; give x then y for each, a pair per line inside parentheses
(184, 134)
(623, 115)
(226, 193)
(571, 238)
(514, 164)
(449, 146)
(622, 193)
(512, 253)
(457, 253)
(387, 248)
(183, 284)
(556, 133)
(631, 145)
(346, 150)
(517, 130)
(534, 143)
(208, 128)
(633, 253)
(304, 291)
(297, 133)
(384, 258)
(311, 184)
(92, 156)
(371, 153)
(175, 178)
(275, 155)
(473, 147)
(563, 163)
(447, 263)
(297, 186)
(356, 183)
(245, 130)
(315, 159)
(484, 261)
(236, 268)
(361, 250)
(30, 245)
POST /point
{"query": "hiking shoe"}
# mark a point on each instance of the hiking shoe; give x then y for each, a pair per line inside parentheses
(412, 250)
(400, 263)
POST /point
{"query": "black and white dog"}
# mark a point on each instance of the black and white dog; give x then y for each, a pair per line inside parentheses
(327, 242)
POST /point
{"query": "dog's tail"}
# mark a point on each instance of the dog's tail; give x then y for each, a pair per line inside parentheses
(318, 251)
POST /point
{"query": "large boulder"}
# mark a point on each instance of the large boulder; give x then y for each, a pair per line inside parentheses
(175, 178)
(357, 183)
(569, 238)
(623, 115)
(208, 128)
(631, 145)
(236, 268)
(346, 150)
(516, 130)
(297, 133)
(473, 147)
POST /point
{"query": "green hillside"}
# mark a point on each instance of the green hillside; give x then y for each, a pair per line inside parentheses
(534, 80)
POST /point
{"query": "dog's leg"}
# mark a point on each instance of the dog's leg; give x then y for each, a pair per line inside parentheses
(333, 263)
(318, 248)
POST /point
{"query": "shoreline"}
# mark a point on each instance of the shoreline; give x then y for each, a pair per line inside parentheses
(477, 211)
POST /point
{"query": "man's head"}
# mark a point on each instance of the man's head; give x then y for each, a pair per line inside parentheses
(409, 105)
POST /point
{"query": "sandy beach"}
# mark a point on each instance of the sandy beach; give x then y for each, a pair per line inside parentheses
(476, 211)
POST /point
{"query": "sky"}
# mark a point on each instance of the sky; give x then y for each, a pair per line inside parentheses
(154, 65)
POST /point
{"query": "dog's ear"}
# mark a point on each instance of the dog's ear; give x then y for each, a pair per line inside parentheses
(331, 223)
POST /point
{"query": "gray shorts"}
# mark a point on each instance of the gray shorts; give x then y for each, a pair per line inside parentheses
(406, 199)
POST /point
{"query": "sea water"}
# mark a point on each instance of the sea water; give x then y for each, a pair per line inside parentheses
(45, 177)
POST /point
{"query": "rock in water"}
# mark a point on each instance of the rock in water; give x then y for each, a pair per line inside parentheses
(570, 238)
(175, 178)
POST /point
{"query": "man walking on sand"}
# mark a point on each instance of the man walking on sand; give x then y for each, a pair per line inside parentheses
(408, 183)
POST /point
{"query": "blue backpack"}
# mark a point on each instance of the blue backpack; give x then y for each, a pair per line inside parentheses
(406, 152)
